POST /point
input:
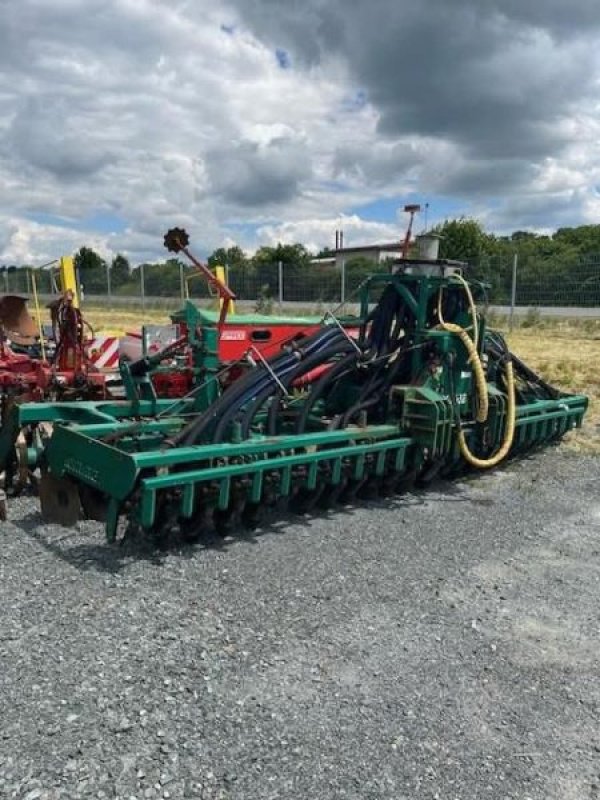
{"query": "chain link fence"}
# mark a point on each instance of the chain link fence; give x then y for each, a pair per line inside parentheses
(538, 282)
(513, 281)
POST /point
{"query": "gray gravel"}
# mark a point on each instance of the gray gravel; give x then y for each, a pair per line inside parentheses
(442, 645)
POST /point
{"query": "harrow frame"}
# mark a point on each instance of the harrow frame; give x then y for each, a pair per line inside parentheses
(412, 387)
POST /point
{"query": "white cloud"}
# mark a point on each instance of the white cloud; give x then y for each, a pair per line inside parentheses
(26, 242)
(317, 233)
(154, 115)
(120, 118)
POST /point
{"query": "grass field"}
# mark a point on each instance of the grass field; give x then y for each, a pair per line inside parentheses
(565, 353)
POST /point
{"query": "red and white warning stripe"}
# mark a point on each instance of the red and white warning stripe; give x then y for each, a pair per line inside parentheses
(103, 351)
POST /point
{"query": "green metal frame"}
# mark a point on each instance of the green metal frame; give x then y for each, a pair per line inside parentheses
(120, 449)
(79, 453)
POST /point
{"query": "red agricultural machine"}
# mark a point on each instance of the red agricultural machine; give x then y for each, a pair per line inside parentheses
(33, 366)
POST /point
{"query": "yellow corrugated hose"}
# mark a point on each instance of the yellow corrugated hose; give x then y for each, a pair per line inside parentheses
(481, 387)
(509, 432)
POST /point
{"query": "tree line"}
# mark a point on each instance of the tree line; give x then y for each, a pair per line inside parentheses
(561, 268)
(569, 258)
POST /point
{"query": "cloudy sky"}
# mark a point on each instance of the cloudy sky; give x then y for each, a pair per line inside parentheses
(257, 121)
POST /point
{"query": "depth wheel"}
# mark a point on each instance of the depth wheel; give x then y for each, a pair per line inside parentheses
(93, 503)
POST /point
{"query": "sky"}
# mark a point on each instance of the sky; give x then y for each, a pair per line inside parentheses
(251, 122)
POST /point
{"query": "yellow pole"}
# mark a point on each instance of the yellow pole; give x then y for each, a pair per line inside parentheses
(68, 279)
(39, 316)
(221, 276)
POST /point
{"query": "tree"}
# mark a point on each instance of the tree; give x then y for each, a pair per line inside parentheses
(325, 252)
(87, 259)
(586, 238)
(237, 265)
(119, 271)
(522, 236)
(463, 239)
(91, 269)
(162, 279)
(292, 255)
(296, 266)
(232, 257)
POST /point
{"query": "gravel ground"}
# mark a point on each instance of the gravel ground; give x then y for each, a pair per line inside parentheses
(440, 645)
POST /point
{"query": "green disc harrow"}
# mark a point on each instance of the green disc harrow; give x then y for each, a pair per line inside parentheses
(413, 386)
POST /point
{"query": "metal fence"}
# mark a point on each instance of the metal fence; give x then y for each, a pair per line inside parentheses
(508, 281)
(532, 282)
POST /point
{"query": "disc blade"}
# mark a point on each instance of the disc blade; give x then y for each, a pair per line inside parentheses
(59, 499)
(93, 503)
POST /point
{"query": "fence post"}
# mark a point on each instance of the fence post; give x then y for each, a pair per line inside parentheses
(108, 286)
(513, 292)
(143, 286)
(280, 283)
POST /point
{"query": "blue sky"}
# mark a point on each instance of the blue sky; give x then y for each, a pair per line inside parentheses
(390, 210)
(102, 222)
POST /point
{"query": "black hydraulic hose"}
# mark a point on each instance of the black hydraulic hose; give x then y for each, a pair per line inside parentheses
(377, 330)
(382, 318)
(378, 370)
(394, 368)
(276, 401)
(331, 376)
(267, 383)
(302, 367)
(142, 366)
(198, 427)
(373, 384)
(388, 319)
(266, 379)
(263, 380)
(364, 398)
(398, 327)
(379, 384)
(348, 416)
(192, 432)
(372, 325)
(497, 347)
